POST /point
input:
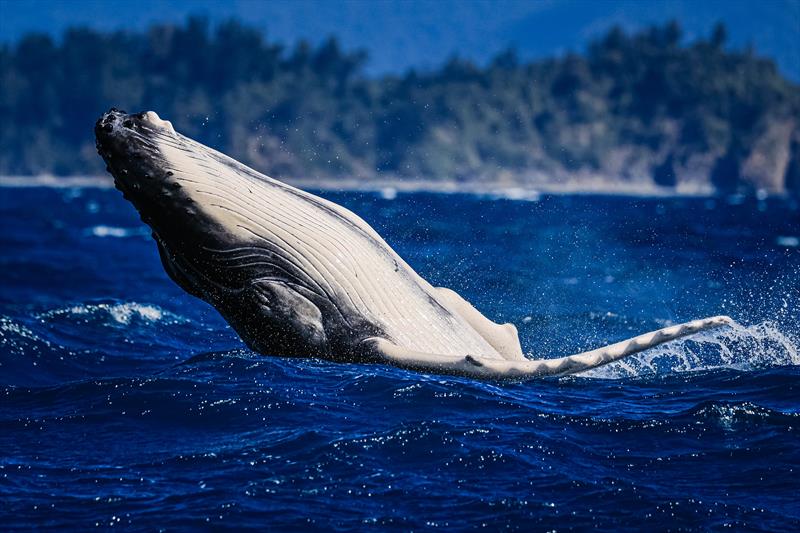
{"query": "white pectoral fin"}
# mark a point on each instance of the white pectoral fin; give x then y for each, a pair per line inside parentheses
(501, 369)
(619, 350)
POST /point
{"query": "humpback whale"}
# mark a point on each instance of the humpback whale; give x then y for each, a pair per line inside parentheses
(297, 275)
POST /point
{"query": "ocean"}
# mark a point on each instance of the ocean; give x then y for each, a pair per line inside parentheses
(125, 402)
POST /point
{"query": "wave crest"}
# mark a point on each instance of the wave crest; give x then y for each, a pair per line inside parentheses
(732, 415)
(119, 313)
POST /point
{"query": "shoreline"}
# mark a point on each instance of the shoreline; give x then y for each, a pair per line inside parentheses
(505, 189)
(390, 188)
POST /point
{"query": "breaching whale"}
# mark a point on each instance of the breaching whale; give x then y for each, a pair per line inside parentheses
(297, 275)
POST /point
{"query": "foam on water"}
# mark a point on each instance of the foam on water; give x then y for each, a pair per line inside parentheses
(57, 182)
(788, 241)
(119, 313)
(113, 231)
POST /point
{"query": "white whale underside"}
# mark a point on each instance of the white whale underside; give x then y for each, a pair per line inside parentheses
(426, 328)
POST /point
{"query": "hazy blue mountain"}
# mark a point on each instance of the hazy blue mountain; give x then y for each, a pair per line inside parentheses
(423, 34)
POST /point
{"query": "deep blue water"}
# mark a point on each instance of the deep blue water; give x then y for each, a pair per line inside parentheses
(125, 402)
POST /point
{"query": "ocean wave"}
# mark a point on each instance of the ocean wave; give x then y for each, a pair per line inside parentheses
(119, 313)
(732, 415)
(18, 339)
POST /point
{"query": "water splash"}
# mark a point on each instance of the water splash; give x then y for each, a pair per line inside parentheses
(736, 346)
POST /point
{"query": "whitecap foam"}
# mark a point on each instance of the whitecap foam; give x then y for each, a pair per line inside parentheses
(736, 346)
(56, 182)
(123, 313)
(388, 193)
(119, 313)
(787, 241)
(114, 231)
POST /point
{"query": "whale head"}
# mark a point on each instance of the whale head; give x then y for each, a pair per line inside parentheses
(131, 148)
(191, 196)
(227, 234)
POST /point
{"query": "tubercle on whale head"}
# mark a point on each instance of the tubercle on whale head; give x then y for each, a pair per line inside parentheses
(107, 122)
(119, 133)
(153, 119)
(139, 151)
(129, 144)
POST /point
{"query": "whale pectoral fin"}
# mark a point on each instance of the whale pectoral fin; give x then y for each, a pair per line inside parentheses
(619, 350)
(460, 365)
(502, 337)
(278, 319)
(498, 369)
(465, 365)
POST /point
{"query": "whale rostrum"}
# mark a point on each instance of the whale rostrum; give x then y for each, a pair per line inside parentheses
(297, 275)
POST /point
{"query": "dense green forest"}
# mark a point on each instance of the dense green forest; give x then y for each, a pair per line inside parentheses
(645, 108)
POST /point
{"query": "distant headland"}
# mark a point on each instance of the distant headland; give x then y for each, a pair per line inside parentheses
(644, 110)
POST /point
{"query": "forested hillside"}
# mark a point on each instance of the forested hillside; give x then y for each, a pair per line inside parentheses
(638, 109)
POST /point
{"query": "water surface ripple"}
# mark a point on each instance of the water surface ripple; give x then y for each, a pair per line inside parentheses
(127, 403)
